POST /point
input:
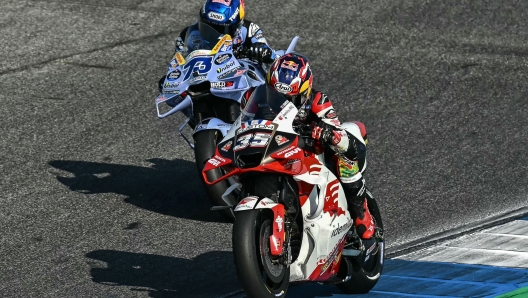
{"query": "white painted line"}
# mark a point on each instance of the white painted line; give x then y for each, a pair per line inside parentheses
(509, 235)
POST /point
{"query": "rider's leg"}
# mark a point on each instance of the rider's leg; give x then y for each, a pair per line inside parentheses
(350, 172)
(354, 188)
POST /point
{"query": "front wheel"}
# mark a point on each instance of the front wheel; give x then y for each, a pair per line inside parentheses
(260, 274)
(204, 148)
(365, 275)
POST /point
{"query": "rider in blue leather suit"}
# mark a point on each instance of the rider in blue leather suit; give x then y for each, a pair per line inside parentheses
(225, 17)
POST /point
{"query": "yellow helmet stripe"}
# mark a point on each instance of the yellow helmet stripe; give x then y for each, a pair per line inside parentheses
(305, 87)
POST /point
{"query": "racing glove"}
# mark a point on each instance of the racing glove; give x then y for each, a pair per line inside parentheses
(261, 52)
(323, 132)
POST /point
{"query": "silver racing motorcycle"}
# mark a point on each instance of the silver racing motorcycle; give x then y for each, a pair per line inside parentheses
(207, 86)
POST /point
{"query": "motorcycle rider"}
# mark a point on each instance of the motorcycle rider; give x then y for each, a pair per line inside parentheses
(291, 75)
(226, 17)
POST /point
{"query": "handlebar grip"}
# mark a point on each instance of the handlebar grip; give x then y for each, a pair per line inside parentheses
(242, 52)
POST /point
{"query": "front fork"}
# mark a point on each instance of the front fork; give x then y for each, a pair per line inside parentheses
(278, 236)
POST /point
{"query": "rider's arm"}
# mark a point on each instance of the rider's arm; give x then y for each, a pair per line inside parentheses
(328, 120)
(256, 44)
(180, 45)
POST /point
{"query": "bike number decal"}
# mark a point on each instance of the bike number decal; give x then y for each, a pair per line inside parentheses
(199, 65)
(256, 140)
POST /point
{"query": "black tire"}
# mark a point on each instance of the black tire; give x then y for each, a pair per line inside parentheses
(366, 276)
(204, 148)
(258, 276)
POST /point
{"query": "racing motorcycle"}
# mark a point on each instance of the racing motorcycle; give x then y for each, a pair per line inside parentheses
(292, 222)
(207, 87)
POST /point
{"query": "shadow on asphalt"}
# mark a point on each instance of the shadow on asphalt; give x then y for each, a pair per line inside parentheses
(165, 276)
(170, 187)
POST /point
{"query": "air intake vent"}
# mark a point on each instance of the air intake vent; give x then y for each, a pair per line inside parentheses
(249, 160)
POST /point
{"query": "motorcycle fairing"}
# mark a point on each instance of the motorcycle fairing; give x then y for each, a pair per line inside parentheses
(213, 123)
(326, 222)
(199, 66)
(182, 103)
(247, 203)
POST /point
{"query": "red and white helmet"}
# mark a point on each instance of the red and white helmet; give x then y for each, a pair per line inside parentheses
(292, 76)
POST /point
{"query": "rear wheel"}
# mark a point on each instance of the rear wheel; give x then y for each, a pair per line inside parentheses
(204, 148)
(366, 274)
(260, 274)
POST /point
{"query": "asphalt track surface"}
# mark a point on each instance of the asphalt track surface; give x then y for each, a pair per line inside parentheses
(99, 198)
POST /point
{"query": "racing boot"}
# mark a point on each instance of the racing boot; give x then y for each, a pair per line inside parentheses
(357, 205)
(362, 218)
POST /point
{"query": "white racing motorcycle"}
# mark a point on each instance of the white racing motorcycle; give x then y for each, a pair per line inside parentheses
(292, 222)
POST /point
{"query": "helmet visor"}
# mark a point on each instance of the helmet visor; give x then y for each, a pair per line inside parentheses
(211, 32)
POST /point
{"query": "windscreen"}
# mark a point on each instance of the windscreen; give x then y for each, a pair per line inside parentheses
(264, 103)
(209, 34)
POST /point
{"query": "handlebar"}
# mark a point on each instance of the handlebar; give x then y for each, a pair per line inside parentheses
(241, 52)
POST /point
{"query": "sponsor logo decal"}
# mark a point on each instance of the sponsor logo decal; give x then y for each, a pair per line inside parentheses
(214, 162)
(228, 73)
(215, 16)
(291, 153)
(198, 66)
(248, 199)
(292, 161)
(171, 85)
(369, 251)
(179, 58)
(222, 59)
(256, 126)
(174, 75)
(219, 158)
(283, 113)
(218, 85)
(198, 78)
(286, 150)
(342, 229)
(253, 29)
(225, 67)
(227, 146)
(283, 88)
(290, 65)
(329, 259)
(279, 222)
(198, 53)
(280, 139)
(235, 14)
(163, 98)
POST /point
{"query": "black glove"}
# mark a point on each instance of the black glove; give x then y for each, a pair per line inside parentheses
(302, 129)
(261, 52)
